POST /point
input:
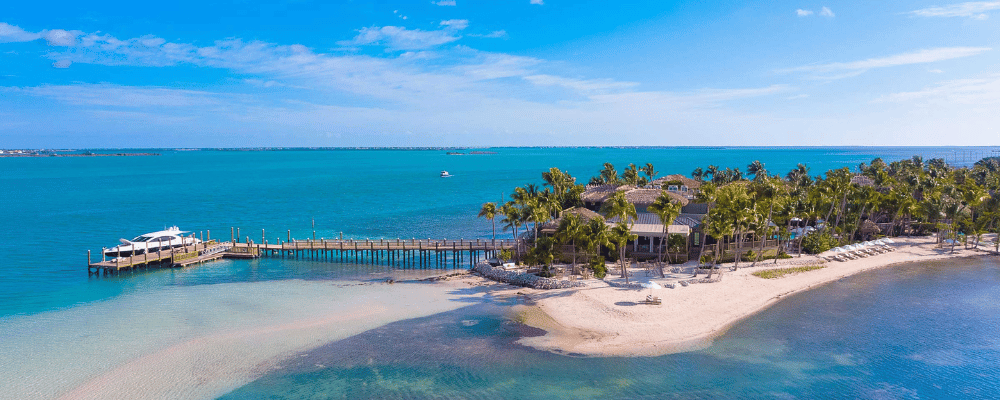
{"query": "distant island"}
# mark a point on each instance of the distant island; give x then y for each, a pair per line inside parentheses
(457, 153)
(61, 153)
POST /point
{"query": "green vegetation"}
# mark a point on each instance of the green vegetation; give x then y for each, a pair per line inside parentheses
(775, 273)
(597, 265)
(818, 242)
(905, 197)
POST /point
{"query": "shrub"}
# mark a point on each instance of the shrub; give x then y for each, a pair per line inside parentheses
(749, 256)
(506, 255)
(779, 272)
(816, 243)
(597, 265)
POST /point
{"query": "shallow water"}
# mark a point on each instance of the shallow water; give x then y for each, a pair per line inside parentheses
(925, 330)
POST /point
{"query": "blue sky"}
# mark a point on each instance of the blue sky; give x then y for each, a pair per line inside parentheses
(514, 72)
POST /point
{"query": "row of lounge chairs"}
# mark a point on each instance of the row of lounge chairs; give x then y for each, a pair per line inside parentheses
(860, 250)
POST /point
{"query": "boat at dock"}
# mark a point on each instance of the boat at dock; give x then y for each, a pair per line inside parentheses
(151, 242)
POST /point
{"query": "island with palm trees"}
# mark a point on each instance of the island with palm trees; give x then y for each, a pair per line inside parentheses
(725, 244)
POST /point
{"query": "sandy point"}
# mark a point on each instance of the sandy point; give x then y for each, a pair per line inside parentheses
(603, 320)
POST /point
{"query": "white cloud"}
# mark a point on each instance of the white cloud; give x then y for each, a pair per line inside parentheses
(970, 92)
(538, 2)
(973, 9)
(62, 64)
(454, 95)
(803, 13)
(854, 68)
(444, 2)
(10, 33)
(826, 12)
(492, 35)
(59, 37)
(935, 71)
(457, 24)
(581, 85)
(399, 38)
(124, 96)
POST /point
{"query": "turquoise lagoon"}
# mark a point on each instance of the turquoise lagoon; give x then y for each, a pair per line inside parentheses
(926, 331)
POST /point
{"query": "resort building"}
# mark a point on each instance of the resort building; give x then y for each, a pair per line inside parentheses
(679, 184)
(648, 226)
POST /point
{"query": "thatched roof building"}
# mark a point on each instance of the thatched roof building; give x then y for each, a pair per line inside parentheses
(646, 197)
(599, 193)
(585, 215)
(690, 183)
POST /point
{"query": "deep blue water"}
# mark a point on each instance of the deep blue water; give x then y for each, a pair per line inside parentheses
(923, 334)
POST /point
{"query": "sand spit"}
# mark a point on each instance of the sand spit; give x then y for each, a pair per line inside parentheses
(200, 342)
(601, 320)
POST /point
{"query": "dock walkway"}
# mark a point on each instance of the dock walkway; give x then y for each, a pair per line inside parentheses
(403, 253)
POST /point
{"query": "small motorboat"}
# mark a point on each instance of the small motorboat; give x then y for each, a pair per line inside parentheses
(445, 174)
(151, 242)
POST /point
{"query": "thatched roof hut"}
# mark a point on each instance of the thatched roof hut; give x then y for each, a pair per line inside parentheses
(600, 193)
(645, 197)
(585, 215)
(867, 226)
(690, 183)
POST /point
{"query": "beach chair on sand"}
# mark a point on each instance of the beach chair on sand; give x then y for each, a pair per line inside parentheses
(650, 299)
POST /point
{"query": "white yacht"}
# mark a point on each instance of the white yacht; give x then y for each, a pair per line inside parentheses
(445, 174)
(151, 242)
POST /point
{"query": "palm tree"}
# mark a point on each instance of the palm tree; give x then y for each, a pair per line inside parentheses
(570, 229)
(668, 210)
(765, 189)
(489, 211)
(697, 174)
(631, 175)
(617, 206)
(595, 236)
(650, 172)
(608, 174)
(705, 195)
(621, 234)
(512, 219)
(756, 169)
(712, 171)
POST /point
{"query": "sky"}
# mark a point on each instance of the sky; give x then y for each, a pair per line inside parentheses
(498, 73)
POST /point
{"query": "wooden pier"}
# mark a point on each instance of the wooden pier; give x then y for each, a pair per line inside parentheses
(396, 252)
(403, 253)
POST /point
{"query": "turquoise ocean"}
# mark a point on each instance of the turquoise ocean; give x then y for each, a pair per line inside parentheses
(927, 333)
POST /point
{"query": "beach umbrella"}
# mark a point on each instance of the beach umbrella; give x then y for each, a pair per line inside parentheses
(651, 285)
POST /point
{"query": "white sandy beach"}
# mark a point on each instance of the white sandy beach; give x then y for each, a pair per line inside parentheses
(606, 321)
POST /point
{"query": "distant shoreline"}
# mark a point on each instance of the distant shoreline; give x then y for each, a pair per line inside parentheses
(78, 155)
